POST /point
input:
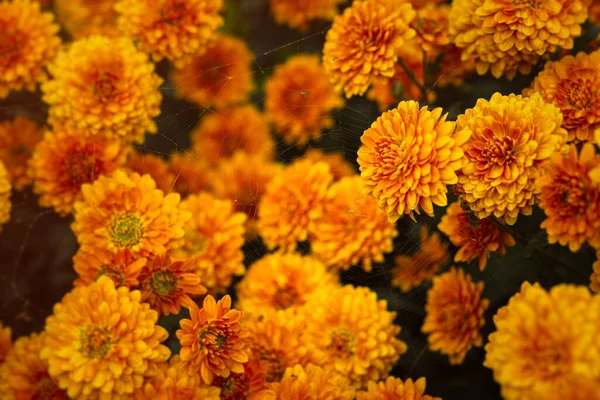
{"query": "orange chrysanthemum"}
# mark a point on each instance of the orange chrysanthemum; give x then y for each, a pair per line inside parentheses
(153, 165)
(395, 389)
(221, 76)
(312, 382)
(475, 238)
(18, 138)
(5, 192)
(5, 341)
(544, 340)
(298, 14)
(128, 212)
(299, 100)
(338, 165)
(191, 174)
(513, 138)
(570, 84)
(175, 29)
(454, 314)
(431, 24)
(213, 342)
(121, 267)
(28, 42)
(80, 16)
(452, 68)
(408, 156)
(220, 135)
(293, 200)
(410, 272)
(352, 229)
(594, 13)
(362, 43)
(105, 86)
(595, 277)
(66, 159)
(101, 341)
(249, 385)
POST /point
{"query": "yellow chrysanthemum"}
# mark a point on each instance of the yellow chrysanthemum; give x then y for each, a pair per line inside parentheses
(5, 191)
(293, 200)
(338, 165)
(595, 277)
(249, 385)
(66, 159)
(79, 16)
(191, 174)
(221, 76)
(408, 156)
(104, 86)
(28, 42)
(362, 43)
(410, 272)
(153, 165)
(454, 314)
(175, 29)
(121, 267)
(299, 100)
(298, 14)
(101, 342)
(5, 341)
(512, 139)
(395, 389)
(545, 339)
(128, 212)
(312, 382)
(352, 228)
(18, 138)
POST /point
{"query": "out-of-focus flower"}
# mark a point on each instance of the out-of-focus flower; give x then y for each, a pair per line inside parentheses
(352, 229)
(410, 272)
(128, 212)
(5, 341)
(595, 277)
(249, 385)
(213, 342)
(545, 339)
(66, 159)
(300, 99)
(417, 4)
(570, 84)
(80, 16)
(513, 138)
(454, 314)
(173, 29)
(220, 135)
(362, 43)
(121, 267)
(452, 68)
(431, 25)
(338, 165)
(293, 200)
(28, 42)
(103, 86)
(5, 192)
(298, 14)
(107, 351)
(594, 13)
(191, 174)
(475, 238)
(221, 76)
(153, 165)
(313, 382)
(570, 200)
(395, 389)
(408, 156)
(18, 138)
(576, 388)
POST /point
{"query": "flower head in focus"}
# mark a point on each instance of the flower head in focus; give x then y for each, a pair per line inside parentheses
(338, 165)
(81, 16)
(153, 165)
(395, 389)
(298, 14)
(311, 381)
(5, 192)
(121, 267)
(18, 139)
(249, 385)
(190, 174)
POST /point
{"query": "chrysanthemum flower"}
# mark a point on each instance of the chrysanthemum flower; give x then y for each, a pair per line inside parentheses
(213, 342)
(300, 99)
(353, 334)
(576, 388)
(175, 29)
(362, 43)
(570, 200)
(408, 156)
(545, 339)
(338, 165)
(453, 69)
(28, 42)
(395, 389)
(104, 86)
(313, 382)
(570, 84)
(595, 277)
(191, 174)
(249, 385)
(153, 165)
(121, 267)
(5, 191)
(431, 25)
(293, 200)
(128, 212)
(5, 341)
(513, 137)
(283, 281)
(101, 342)
(594, 13)
(18, 138)
(298, 14)
(79, 16)
(221, 76)
(352, 229)
(66, 159)
(220, 135)
(454, 314)
(476, 239)
(410, 272)
(214, 237)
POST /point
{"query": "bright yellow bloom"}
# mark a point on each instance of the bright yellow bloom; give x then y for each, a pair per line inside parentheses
(28, 42)
(312, 382)
(153, 165)
(338, 165)
(395, 389)
(298, 14)
(249, 385)
(101, 342)
(104, 86)
(513, 138)
(5, 192)
(18, 138)
(175, 29)
(408, 156)
(5, 341)
(121, 267)
(80, 16)
(191, 174)
(362, 43)
(352, 228)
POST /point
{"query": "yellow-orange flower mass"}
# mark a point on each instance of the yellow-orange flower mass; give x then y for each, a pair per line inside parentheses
(104, 86)
(395, 389)
(338, 165)
(190, 174)
(408, 156)
(362, 43)
(313, 382)
(18, 138)
(122, 267)
(101, 342)
(153, 165)
(5, 191)
(298, 14)
(81, 16)
(513, 138)
(595, 277)
(249, 385)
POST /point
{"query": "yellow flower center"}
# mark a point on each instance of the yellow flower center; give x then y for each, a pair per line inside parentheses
(163, 282)
(126, 230)
(342, 343)
(96, 342)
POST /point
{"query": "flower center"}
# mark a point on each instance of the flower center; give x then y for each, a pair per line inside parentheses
(9, 42)
(213, 338)
(126, 230)
(273, 358)
(163, 282)
(234, 387)
(342, 343)
(80, 169)
(285, 297)
(195, 242)
(96, 342)
(527, 3)
(116, 276)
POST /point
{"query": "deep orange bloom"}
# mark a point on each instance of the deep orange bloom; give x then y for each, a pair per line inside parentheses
(395, 389)
(310, 381)
(298, 14)
(18, 138)
(121, 266)
(81, 16)
(5, 341)
(594, 13)
(5, 192)
(338, 165)
(191, 174)
(249, 385)
(153, 165)
(431, 24)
